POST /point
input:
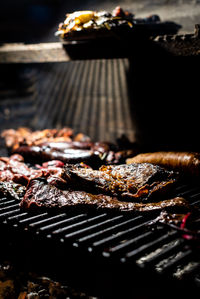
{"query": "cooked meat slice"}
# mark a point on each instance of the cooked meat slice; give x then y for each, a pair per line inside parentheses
(41, 194)
(187, 162)
(132, 181)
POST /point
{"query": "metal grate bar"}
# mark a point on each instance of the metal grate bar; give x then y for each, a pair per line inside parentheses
(120, 235)
(7, 214)
(109, 230)
(183, 258)
(60, 223)
(5, 203)
(149, 246)
(165, 253)
(16, 218)
(91, 227)
(9, 208)
(191, 192)
(75, 225)
(32, 218)
(4, 199)
(192, 272)
(132, 242)
(119, 249)
(47, 220)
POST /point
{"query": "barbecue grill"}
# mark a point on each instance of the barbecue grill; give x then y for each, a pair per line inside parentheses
(107, 254)
(128, 254)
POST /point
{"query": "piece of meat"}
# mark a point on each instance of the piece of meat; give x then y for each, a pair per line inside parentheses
(25, 136)
(134, 181)
(12, 190)
(14, 170)
(37, 154)
(41, 194)
(185, 162)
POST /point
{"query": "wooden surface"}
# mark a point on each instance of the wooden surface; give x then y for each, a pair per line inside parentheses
(32, 53)
(176, 45)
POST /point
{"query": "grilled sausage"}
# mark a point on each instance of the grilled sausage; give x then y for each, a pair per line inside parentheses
(187, 162)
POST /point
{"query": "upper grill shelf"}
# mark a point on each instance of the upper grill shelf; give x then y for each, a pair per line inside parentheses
(115, 47)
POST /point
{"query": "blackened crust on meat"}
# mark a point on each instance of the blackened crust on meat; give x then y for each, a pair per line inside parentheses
(134, 181)
(39, 194)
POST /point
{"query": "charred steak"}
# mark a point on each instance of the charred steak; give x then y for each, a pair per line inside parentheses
(134, 181)
(40, 194)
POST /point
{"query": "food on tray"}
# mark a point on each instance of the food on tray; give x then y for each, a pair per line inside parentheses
(41, 194)
(83, 25)
(185, 162)
(134, 181)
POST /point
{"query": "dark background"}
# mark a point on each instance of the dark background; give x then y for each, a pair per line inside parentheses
(160, 94)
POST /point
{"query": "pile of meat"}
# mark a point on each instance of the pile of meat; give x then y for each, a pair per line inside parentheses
(56, 169)
(64, 145)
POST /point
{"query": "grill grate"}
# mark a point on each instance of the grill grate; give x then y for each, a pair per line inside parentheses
(118, 238)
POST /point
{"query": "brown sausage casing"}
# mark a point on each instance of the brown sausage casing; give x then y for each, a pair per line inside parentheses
(187, 162)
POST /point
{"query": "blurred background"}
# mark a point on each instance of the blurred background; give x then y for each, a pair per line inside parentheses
(36, 20)
(102, 98)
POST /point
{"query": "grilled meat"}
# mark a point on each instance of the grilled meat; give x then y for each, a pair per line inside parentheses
(13, 171)
(41, 154)
(25, 136)
(41, 194)
(12, 190)
(45, 145)
(134, 181)
(186, 162)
